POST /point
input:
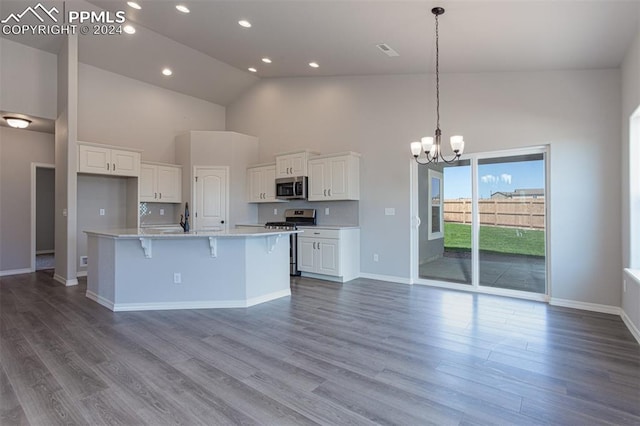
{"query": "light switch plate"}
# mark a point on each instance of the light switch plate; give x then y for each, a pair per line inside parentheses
(326, 211)
(390, 211)
(161, 212)
(101, 212)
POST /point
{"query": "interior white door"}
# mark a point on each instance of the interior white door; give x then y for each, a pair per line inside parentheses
(211, 198)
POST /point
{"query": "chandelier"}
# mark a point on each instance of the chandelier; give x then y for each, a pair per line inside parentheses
(428, 145)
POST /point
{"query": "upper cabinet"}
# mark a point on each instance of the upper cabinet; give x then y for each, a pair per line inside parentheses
(334, 177)
(261, 187)
(105, 160)
(292, 164)
(160, 183)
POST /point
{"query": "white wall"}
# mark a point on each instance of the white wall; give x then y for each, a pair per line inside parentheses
(630, 103)
(117, 110)
(27, 80)
(18, 149)
(576, 112)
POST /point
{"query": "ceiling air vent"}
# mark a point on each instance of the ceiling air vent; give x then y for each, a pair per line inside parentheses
(387, 50)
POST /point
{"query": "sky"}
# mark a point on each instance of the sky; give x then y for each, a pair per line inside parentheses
(504, 177)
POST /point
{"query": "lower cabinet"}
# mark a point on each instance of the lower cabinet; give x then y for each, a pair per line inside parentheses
(332, 254)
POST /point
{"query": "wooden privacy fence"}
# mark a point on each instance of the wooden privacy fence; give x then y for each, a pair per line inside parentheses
(516, 213)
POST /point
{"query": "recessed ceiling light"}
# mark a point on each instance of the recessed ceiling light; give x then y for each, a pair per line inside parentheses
(313, 64)
(17, 122)
(252, 69)
(129, 29)
(167, 71)
(134, 5)
(182, 8)
(266, 60)
(244, 23)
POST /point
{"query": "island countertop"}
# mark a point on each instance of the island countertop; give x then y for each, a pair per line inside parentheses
(173, 234)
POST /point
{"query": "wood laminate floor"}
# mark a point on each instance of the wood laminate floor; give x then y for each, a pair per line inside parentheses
(366, 352)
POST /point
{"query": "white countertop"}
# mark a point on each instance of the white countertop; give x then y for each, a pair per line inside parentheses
(307, 227)
(160, 233)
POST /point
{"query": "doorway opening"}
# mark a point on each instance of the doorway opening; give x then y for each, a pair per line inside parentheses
(482, 223)
(42, 216)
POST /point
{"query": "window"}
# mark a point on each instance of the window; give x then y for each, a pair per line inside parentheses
(436, 213)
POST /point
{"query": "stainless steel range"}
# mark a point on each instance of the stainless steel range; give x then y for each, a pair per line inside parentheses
(292, 219)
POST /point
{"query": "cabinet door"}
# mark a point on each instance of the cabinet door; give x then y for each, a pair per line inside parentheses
(318, 175)
(269, 183)
(169, 184)
(254, 182)
(125, 163)
(283, 166)
(148, 191)
(328, 257)
(338, 182)
(93, 159)
(306, 254)
(298, 164)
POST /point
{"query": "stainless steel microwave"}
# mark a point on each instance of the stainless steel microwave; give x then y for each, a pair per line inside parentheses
(292, 188)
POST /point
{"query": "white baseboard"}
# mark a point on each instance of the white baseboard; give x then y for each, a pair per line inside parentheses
(64, 281)
(390, 278)
(15, 272)
(206, 304)
(81, 274)
(630, 325)
(100, 300)
(594, 307)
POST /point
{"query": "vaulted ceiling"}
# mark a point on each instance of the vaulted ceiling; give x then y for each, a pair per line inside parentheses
(210, 53)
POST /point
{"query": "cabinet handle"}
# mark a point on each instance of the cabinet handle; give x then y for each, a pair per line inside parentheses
(329, 192)
(325, 192)
(155, 195)
(108, 166)
(161, 195)
(114, 167)
(314, 245)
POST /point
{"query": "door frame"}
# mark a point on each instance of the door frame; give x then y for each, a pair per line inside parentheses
(34, 167)
(194, 207)
(415, 223)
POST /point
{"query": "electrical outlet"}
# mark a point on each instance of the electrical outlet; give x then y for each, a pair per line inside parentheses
(84, 260)
(375, 257)
(101, 212)
(275, 212)
(624, 286)
(177, 278)
(326, 211)
(161, 212)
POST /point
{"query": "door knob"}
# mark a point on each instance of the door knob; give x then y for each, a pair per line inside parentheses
(222, 221)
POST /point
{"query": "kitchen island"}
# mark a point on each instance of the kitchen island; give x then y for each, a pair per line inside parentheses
(147, 269)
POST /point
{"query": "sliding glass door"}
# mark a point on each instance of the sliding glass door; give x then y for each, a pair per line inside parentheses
(445, 217)
(483, 222)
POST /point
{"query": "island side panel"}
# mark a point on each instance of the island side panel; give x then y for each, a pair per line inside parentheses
(206, 282)
(267, 273)
(101, 270)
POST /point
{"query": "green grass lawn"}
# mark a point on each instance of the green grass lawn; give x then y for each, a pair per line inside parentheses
(496, 239)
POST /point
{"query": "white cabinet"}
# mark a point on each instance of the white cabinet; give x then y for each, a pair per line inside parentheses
(292, 164)
(160, 183)
(108, 161)
(332, 254)
(261, 184)
(334, 177)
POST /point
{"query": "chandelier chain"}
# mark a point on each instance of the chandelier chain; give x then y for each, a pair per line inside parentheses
(437, 76)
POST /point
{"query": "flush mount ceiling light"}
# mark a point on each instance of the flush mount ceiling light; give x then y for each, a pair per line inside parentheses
(244, 23)
(252, 69)
(431, 149)
(129, 29)
(266, 60)
(17, 122)
(182, 8)
(167, 72)
(313, 64)
(134, 5)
